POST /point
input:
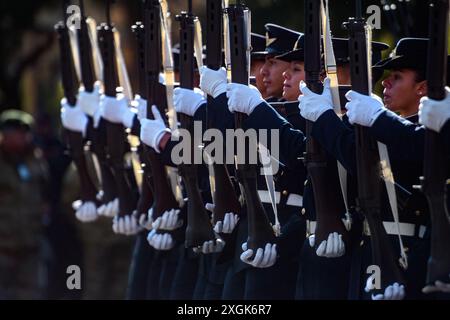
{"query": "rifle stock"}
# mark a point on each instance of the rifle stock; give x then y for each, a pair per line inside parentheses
(224, 197)
(164, 198)
(260, 232)
(435, 159)
(370, 184)
(199, 227)
(74, 140)
(116, 141)
(146, 194)
(322, 169)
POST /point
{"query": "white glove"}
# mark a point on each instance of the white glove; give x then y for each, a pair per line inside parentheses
(110, 209)
(168, 221)
(126, 225)
(229, 221)
(313, 105)
(242, 98)
(144, 221)
(362, 109)
(116, 110)
(87, 212)
(392, 292)
(438, 286)
(160, 241)
(73, 118)
(188, 101)
(333, 247)
(213, 82)
(264, 258)
(213, 246)
(434, 114)
(153, 130)
(89, 101)
(141, 106)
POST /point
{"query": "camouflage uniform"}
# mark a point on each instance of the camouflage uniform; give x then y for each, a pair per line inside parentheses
(22, 208)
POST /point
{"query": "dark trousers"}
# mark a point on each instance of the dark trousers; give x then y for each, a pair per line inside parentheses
(186, 274)
(139, 268)
(274, 283)
(322, 278)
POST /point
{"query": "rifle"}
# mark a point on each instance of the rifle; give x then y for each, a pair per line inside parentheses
(164, 198)
(96, 135)
(260, 231)
(320, 166)
(224, 196)
(370, 184)
(199, 228)
(146, 195)
(74, 140)
(116, 140)
(435, 160)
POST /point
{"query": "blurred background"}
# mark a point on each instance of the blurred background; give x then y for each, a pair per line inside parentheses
(30, 80)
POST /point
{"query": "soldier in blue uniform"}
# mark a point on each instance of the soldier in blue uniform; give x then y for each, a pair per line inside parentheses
(404, 88)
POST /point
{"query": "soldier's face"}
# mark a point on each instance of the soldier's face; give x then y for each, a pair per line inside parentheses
(402, 92)
(272, 72)
(292, 77)
(256, 72)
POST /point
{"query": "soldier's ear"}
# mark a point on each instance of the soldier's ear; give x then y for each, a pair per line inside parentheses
(422, 88)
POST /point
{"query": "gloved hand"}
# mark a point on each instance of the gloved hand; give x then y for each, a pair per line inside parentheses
(188, 101)
(434, 114)
(116, 110)
(392, 292)
(264, 258)
(333, 247)
(73, 118)
(141, 106)
(242, 98)
(160, 241)
(213, 82)
(168, 221)
(89, 101)
(213, 246)
(153, 130)
(438, 286)
(126, 225)
(110, 209)
(86, 212)
(362, 109)
(144, 220)
(313, 105)
(229, 222)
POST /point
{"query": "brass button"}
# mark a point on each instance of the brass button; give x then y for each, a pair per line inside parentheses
(417, 213)
(285, 193)
(303, 211)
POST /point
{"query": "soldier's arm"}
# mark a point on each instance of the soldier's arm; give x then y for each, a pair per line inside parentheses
(292, 142)
(167, 144)
(221, 118)
(405, 139)
(337, 138)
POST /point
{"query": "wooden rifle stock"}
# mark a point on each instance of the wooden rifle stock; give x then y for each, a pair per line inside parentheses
(321, 167)
(199, 228)
(164, 198)
(370, 183)
(146, 195)
(96, 135)
(260, 232)
(74, 140)
(224, 198)
(436, 168)
(116, 141)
